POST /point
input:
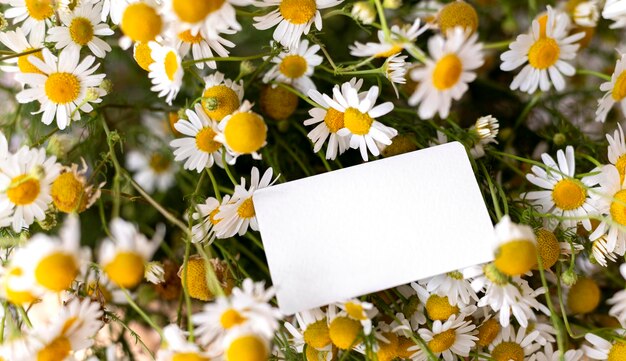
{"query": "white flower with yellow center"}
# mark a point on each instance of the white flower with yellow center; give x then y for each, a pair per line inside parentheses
(211, 17)
(82, 27)
(602, 349)
(154, 172)
(611, 202)
(545, 51)
(449, 339)
(359, 119)
(25, 179)
(236, 215)
(140, 21)
(166, 71)
(72, 330)
(616, 151)
(124, 256)
(293, 17)
(400, 39)
(206, 216)
(201, 46)
(586, 13)
(221, 96)
(511, 346)
(615, 10)
(310, 329)
(445, 77)
(17, 42)
(70, 191)
(515, 248)
(441, 308)
(615, 91)
(618, 301)
(395, 68)
(363, 312)
(35, 15)
(329, 120)
(176, 347)
(244, 343)
(564, 195)
(345, 332)
(65, 88)
(295, 66)
(242, 132)
(198, 147)
(452, 285)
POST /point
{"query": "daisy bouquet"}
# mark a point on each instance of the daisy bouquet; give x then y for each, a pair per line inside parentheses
(135, 133)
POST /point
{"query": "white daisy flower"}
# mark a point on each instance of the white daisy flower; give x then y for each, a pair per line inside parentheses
(25, 179)
(310, 328)
(295, 66)
(618, 301)
(449, 339)
(207, 212)
(236, 215)
(166, 71)
(445, 77)
(140, 21)
(586, 13)
(360, 311)
(211, 17)
(546, 50)
(242, 132)
(401, 38)
(176, 346)
(245, 342)
(601, 349)
(35, 15)
(615, 10)
(201, 46)
(124, 256)
(153, 173)
(510, 346)
(515, 247)
(17, 42)
(615, 91)
(221, 96)
(82, 27)
(65, 88)
(396, 68)
(293, 17)
(610, 202)
(452, 285)
(563, 194)
(329, 120)
(198, 146)
(359, 119)
(616, 151)
(440, 308)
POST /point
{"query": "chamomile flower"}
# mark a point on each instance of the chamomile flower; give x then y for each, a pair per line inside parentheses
(82, 27)
(618, 301)
(615, 91)
(440, 308)
(615, 10)
(610, 202)
(601, 253)
(17, 42)
(359, 311)
(586, 13)
(400, 39)
(244, 343)
(295, 66)
(242, 132)
(35, 16)
(448, 339)
(344, 332)
(563, 195)
(509, 345)
(602, 349)
(395, 68)
(70, 191)
(329, 120)
(124, 256)
(140, 21)
(445, 77)
(25, 179)
(546, 50)
(221, 96)
(176, 347)
(166, 71)
(235, 217)
(201, 46)
(211, 17)
(293, 17)
(616, 151)
(154, 172)
(359, 119)
(451, 285)
(65, 88)
(205, 230)
(310, 328)
(515, 249)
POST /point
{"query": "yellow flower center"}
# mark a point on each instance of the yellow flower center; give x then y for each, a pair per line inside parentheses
(544, 53)
(619, 89)
(355, 311)
(395, 49)
(62, 88)
(317, 335)
(188, 356)
(334, 120)
(247, 348)
(205, 142)
(68, 193)
(569, 194)
(81, 30)
(57, 350)
(388, 351)
(25, 65)
(488, 331)
(584, 296)
(171, 65)
(617, 352)
(277, 102)
(231, 318)
(357, 122)
(143, 56)
(344, 332)
(196, 281)
(14, 296)
(438, 308)
(23, 190)
(126, 270)
(621, 167)
(516, 257)
(246, 209)
(226, 98)
(298, 11)
(193, 11)
(447, 72)
(141, 22)
(403, 351)
(618, 207)
(293, 66)
(245, 132)
(39, 9)
(508, 351)
(186, 37)
(56, 271)
(159, 163)
(548, 247)
(457, 13)
(315, 355)
(442, 341)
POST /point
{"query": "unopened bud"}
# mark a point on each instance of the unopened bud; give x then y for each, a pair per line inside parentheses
(569, 278)
(559, 139)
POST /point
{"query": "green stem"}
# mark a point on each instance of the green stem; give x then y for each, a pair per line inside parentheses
(141, 313)
(227, 169)
(553, 317)
(497, 45)
(383, 20)
(226, 58)
(216, 189)
(593, 73)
